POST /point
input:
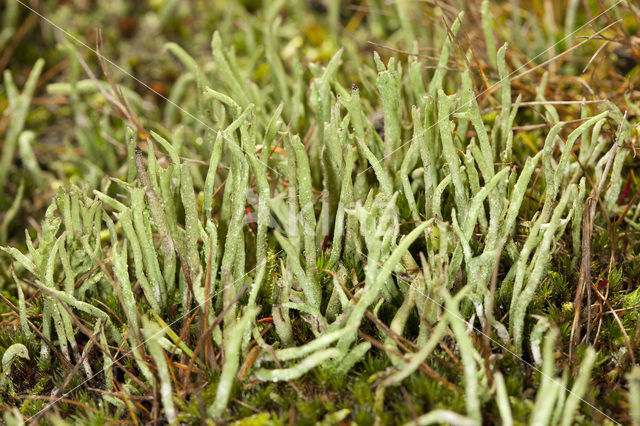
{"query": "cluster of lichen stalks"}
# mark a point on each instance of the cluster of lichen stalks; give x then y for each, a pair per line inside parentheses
(418, 218)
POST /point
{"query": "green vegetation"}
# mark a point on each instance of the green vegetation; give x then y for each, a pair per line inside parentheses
(334, 212)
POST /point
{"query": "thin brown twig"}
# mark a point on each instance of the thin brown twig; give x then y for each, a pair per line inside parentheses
(16, 39)
(123, 105)
(101, 303)
(121, 395)
(400, 340)
(444, 346)
(114, 358)
(184, 335)
(586, 40)
(72, 373)
(584, 281)
(394, 336)
(65, 400)
(412, 408)
(627, 341)
(130, 405)
(209, 330)
(245, 405)
(36, 330)
(594, 56)
(600, 315)
(423, 367)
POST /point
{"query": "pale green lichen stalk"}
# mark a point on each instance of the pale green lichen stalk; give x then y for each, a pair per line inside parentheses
(286, 200)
